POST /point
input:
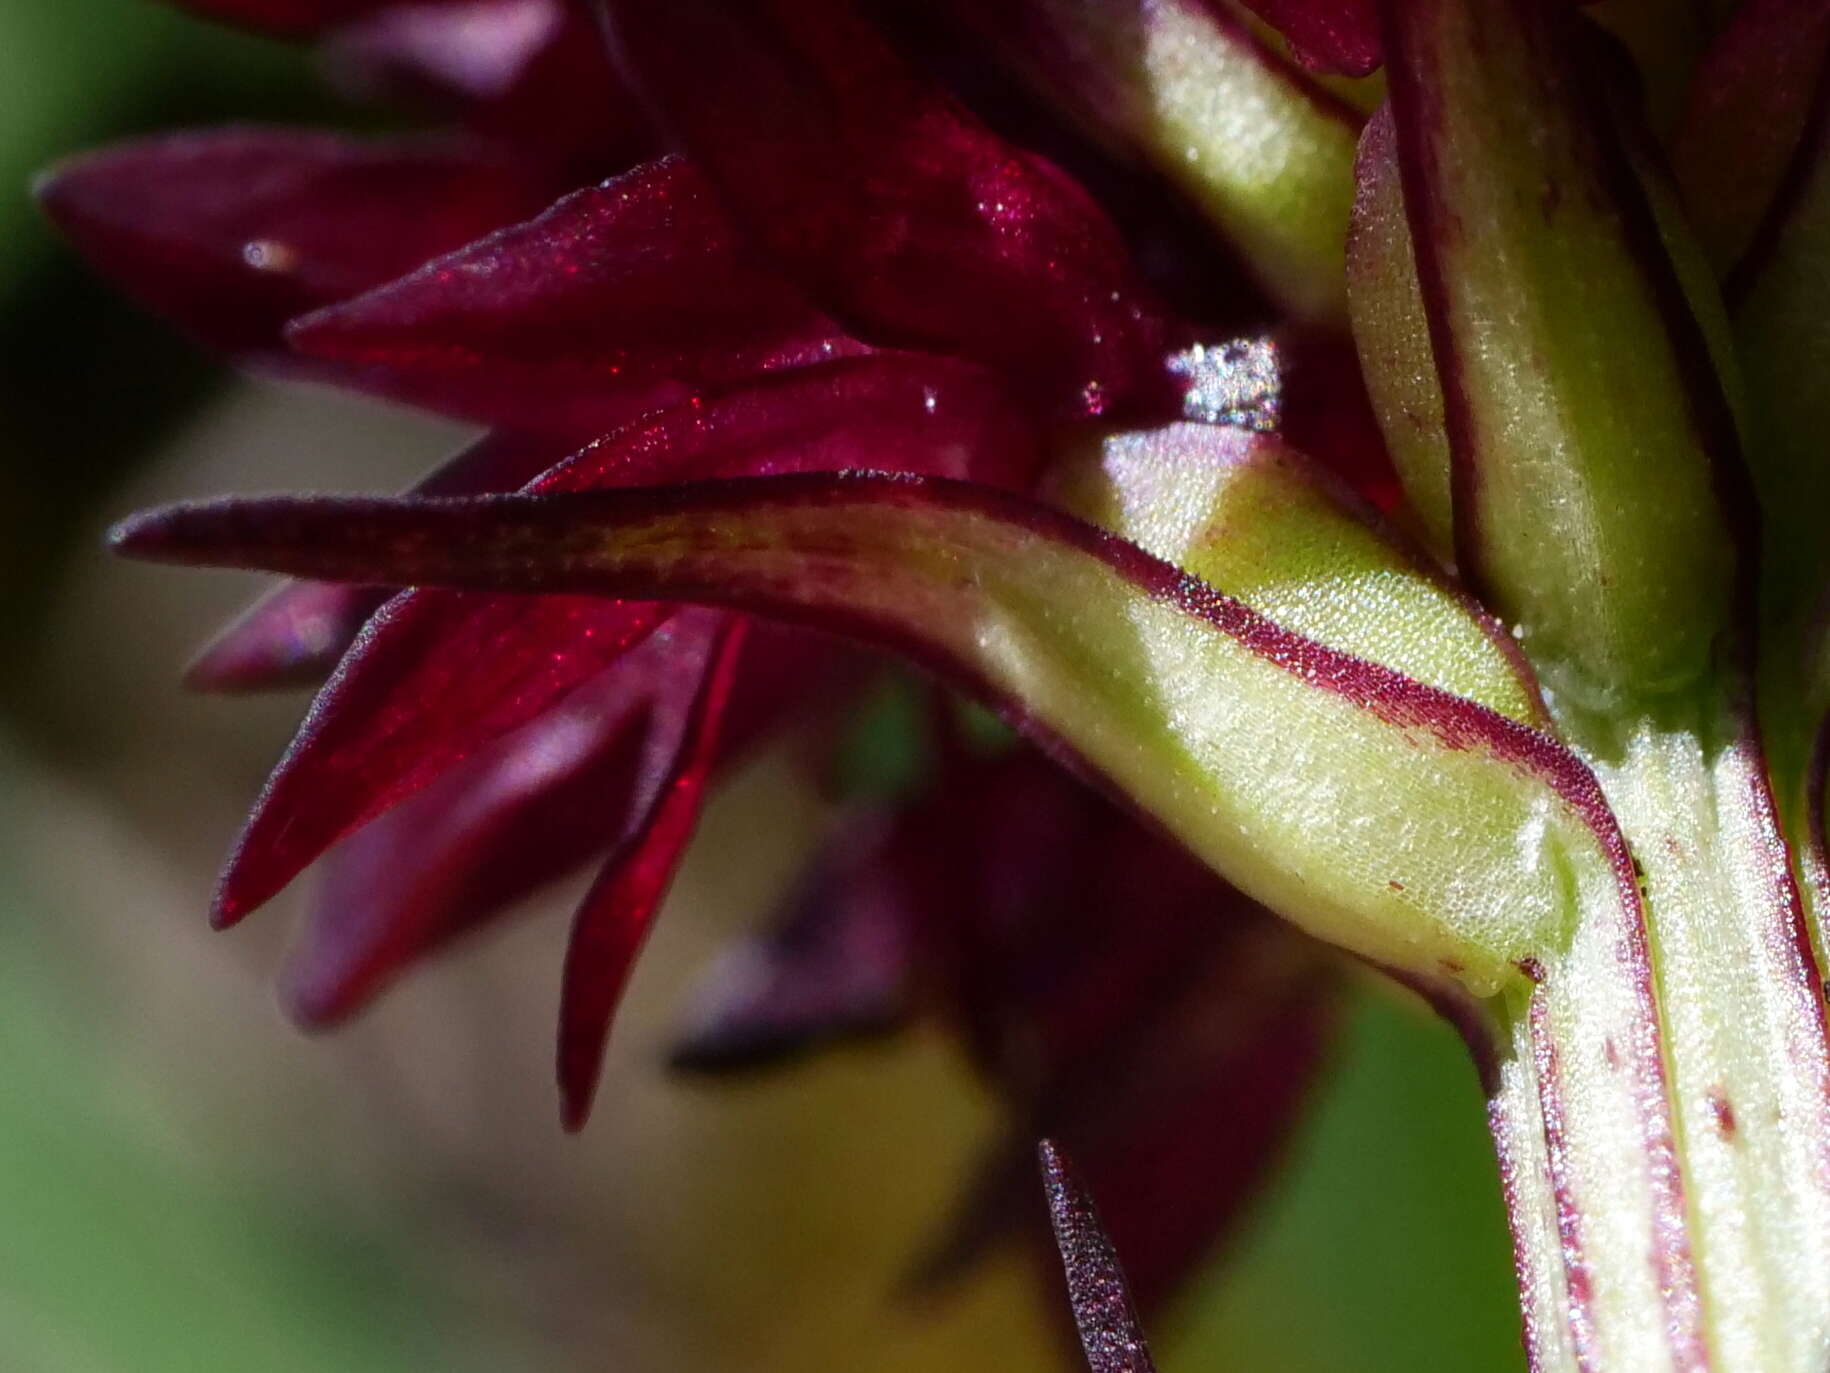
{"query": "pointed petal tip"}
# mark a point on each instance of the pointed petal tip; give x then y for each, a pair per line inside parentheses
(575, 1102)
(162, 533)
(45, 187)
(1053, 1163)
(317, 994)
(64, 192)
(316, 332)
(228, 908)
(223, 669)
(309, 1007)
(208, 674)
(1103, 1310)
(125, 536)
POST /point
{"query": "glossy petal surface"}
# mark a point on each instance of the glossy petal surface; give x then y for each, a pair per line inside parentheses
(536, 805)
(892, 207)
(617, 300)
(295, 635)
(1165, 80)
(613, 920)
(534, 72)
(232, 233)
(1329, 35)
(439, 675)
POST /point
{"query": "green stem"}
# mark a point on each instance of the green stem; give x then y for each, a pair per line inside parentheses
(1663, 1102)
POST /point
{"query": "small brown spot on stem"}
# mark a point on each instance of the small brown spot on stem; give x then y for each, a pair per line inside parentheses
(1725, 1112)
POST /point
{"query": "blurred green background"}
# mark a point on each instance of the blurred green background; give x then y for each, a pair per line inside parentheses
(187, 1184)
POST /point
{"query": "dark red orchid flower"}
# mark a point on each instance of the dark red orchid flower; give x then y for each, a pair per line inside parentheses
(1120, 997)
(1526, 715)
(647, 330)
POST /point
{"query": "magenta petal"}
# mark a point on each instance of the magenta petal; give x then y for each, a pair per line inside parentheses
(1171, 1049)
(1180, 1155)
(291, 637)
(1325, 413)
(425, 689)
(232, 233)
(1103, 1312)
(471, 52)
(893, 412)
(529, 809)
(532, 72)
(1339, 36)
(487, 834)
(619, 299)
(897, 211)
(295, 635)
(440, 674)
(613, 920)
(1739, 144)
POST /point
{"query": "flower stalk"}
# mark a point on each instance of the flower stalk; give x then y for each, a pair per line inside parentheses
(1661, 1104)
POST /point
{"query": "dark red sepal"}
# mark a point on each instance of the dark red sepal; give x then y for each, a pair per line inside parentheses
(491, 831)
(442, 674)
(1740, 144)
(292, 637)
(897, 211)
(1324, 412)
(422, 692)
(296, 634)
(532, 72)
(614, 918)
(1340, 36)
(1111, 990)
(617, 300)
(231, 233)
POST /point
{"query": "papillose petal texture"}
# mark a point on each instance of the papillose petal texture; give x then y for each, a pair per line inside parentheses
(891, 206)
(231, 233)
